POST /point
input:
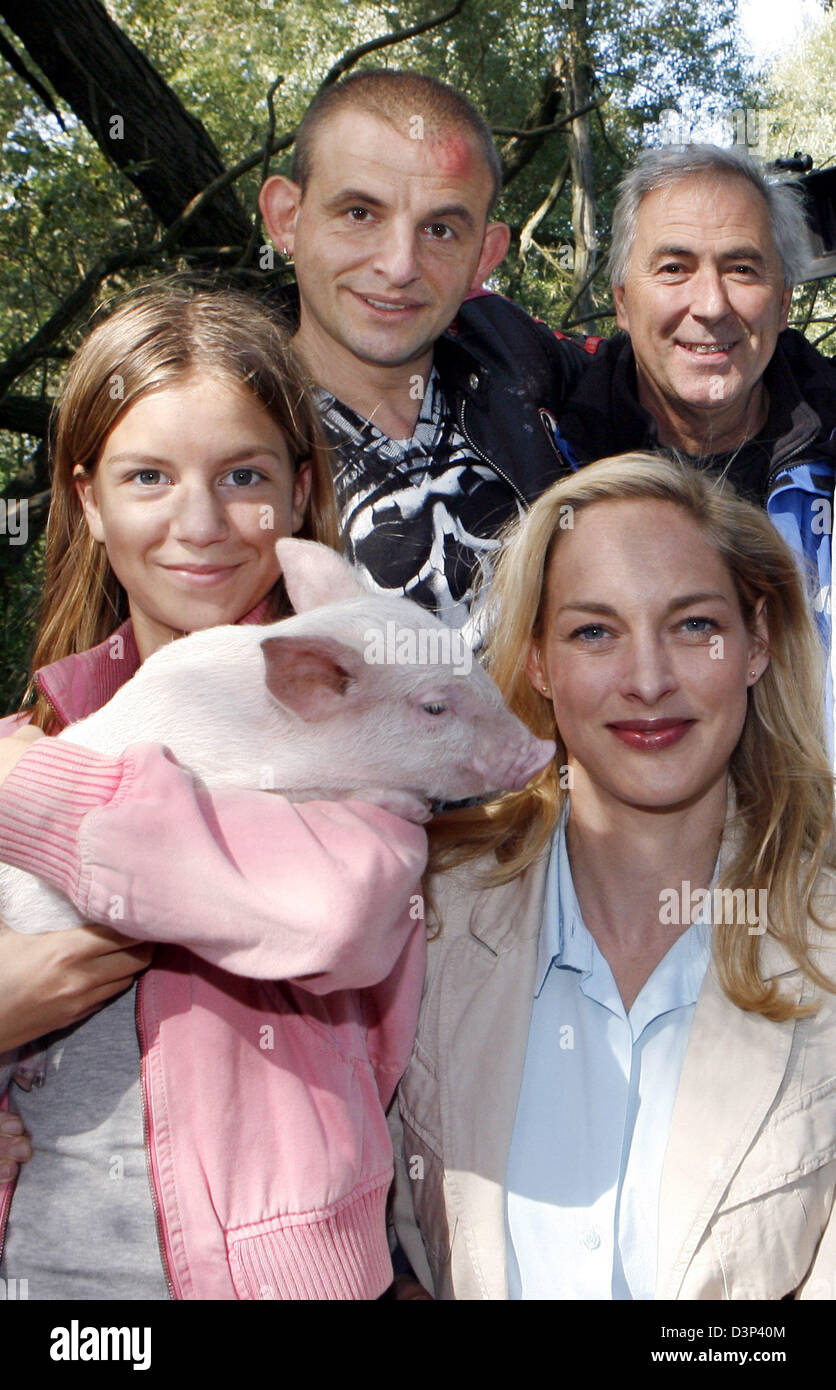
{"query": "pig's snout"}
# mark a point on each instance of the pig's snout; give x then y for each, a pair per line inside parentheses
(515, 772)
(534, 758)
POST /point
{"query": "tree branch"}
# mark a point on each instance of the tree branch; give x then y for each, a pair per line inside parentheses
(354, 55)
(579, 80)
(16, 63)
(25, 415)
(32, 482)
(528, 133)
(37, 511)
(579, 293)
(265, 170)
(23, 357)
(36, 504)
(519, 151)
(607, 313)
(619, 154)
(533, 222)
(822, 338)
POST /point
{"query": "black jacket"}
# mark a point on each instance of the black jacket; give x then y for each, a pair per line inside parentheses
(599, 415)
(500, 370)
(505, 375)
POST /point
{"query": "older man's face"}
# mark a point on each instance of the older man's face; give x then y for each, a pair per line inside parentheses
(703, 301)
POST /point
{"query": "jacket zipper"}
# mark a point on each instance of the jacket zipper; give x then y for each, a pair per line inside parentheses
(784, 464)
(62, 723)
(5, 1203)
(564, 462)
(484, 457)
(140, 1032)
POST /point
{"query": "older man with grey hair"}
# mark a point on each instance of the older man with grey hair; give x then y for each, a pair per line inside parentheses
(705, 253)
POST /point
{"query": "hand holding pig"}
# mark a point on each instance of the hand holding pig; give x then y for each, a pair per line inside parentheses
(15, 1145)
(403, 804)
(51, 982)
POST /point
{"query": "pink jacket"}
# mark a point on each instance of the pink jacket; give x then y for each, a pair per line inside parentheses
(264, 1089)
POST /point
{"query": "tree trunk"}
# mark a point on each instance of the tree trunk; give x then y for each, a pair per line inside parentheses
(520, 151)
(578, 94)
(130, 112)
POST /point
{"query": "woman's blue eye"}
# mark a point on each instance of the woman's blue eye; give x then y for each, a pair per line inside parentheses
(699, 624)
(591, 632)
(148, 476)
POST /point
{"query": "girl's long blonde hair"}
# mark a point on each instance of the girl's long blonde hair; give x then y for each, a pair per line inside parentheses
(780, 768)
(153, 339)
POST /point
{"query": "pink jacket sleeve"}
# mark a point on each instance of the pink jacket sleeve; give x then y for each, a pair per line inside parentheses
(316, 892)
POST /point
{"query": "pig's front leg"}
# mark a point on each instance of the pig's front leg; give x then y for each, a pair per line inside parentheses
(407, 805)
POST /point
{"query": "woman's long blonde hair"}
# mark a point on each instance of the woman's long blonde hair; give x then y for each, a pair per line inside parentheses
(153, 339)
(780, 769)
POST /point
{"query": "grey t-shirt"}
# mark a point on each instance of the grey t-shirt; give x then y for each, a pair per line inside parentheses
(82, 1223)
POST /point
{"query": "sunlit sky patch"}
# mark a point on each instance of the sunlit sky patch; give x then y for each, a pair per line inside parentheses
(771, 26)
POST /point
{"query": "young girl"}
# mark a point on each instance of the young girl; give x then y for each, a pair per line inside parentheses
(204, 1135)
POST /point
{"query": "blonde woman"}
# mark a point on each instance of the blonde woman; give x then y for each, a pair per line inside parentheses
(624, 1080)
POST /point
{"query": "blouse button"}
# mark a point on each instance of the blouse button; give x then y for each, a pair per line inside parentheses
(591, 1239)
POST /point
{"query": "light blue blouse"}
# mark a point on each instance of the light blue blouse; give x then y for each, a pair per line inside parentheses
(594, 1112)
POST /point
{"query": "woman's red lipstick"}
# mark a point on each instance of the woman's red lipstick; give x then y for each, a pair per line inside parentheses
(648, 735)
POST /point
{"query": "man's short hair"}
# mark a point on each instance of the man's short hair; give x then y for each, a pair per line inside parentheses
(658, 168)
(396, 97)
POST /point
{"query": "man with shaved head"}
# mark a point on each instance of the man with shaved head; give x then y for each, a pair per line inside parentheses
(435, 407)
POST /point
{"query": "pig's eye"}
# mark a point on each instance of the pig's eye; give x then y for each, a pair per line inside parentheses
(434, 709)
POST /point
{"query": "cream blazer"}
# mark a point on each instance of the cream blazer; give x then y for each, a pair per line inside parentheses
(747, 1191)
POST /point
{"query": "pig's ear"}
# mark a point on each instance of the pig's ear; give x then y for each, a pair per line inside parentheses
(315, 574)
(315, 677)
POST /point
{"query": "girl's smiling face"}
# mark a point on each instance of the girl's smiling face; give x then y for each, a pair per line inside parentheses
(193, 487)
(645, 654)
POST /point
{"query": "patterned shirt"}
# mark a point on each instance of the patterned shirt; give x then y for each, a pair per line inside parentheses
(419, 515)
